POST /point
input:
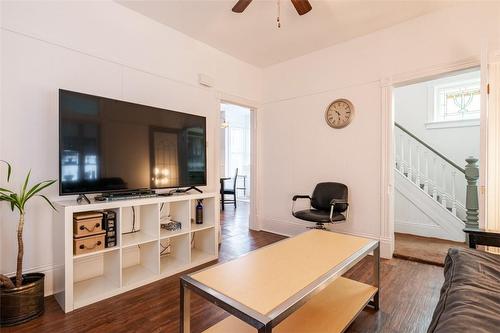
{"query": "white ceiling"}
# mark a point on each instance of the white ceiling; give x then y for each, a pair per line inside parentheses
(253, 35)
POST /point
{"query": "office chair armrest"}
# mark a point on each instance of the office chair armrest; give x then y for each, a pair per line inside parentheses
(295, 197)
(300, 196)
(336, 202)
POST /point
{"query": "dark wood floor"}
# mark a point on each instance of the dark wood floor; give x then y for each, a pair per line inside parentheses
(409, 293)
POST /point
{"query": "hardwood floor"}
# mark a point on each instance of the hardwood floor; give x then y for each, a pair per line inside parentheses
(409, 293)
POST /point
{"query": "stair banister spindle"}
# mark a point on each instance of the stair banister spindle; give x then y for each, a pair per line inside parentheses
(434, 185)
(410, 165)
(418, 166)
(426, 168)
(443, 190)
(402, 167)
(453, 195)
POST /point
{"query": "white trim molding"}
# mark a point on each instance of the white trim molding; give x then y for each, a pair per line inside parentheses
(493, 149)
(387, 129)
(50, 272)
(387, 169)
(453, 123)
(255, 144)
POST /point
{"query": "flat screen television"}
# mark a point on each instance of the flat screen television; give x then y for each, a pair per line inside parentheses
(109, 145)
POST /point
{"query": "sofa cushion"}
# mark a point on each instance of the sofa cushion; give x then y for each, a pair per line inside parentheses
(470, 296)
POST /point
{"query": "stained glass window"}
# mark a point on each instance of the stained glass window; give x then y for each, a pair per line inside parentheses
(458, 101)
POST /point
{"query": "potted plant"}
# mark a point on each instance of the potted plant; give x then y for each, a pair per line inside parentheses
(21, 296)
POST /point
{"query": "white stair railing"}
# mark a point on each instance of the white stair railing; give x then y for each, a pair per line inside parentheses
(438, 179)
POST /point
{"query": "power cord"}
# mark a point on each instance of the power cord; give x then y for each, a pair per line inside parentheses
(165, 248)
(133, 219)
(133, 224)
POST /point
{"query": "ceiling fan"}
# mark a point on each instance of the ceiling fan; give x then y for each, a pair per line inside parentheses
(302, 6)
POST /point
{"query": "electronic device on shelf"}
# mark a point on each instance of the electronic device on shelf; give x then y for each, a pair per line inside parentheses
(127, 195)
(109, 225)
(168, 224)
(171, 226)
(107, 145)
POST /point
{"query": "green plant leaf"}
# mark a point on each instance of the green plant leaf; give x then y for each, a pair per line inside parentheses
(48, 201)
(38, 187)
(32, 190)
(5, 190)
(25, 185)
(7, 198)
(9, 169)
(12, 198)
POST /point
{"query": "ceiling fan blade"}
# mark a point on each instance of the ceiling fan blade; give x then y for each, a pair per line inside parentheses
(302, 6)
(241, 5)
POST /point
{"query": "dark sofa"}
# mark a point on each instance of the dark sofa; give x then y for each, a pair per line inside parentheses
(470, 296)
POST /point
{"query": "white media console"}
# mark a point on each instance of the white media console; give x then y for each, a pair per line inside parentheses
(135, 260)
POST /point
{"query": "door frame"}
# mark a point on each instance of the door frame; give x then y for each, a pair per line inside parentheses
(387, 124)
(493, 147)
(253, 220)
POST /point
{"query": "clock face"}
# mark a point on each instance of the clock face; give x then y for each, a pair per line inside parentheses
(339, 114)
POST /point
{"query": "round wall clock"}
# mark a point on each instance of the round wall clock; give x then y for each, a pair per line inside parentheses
(339, 113)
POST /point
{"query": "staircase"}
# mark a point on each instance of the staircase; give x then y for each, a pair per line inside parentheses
(435, 197)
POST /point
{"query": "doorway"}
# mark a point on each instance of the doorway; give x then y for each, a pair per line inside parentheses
(235, 167)
(437, 135)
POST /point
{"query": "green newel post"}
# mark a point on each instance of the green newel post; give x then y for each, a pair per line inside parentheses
(471, 198)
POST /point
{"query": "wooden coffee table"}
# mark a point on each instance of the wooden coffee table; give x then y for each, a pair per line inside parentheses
(294, 285)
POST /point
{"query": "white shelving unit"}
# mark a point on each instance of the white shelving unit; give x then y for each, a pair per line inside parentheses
(140, 257)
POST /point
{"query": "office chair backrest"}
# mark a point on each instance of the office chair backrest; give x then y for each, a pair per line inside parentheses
(324, 193)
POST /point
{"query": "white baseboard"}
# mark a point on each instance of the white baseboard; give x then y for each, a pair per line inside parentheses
(291, 229)
(50, 272)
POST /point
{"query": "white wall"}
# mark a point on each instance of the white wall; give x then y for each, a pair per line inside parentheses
(411, 109)
(299, 149)
(99, 48)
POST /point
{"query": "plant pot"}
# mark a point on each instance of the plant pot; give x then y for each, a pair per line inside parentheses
(19, 305)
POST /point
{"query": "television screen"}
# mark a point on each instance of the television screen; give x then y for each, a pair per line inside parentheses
(110, 145)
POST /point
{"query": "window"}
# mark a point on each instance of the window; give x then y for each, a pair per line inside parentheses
(458, 102)
(455, 103)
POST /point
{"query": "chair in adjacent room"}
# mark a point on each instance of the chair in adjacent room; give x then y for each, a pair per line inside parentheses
(230, 191)
(328, 204)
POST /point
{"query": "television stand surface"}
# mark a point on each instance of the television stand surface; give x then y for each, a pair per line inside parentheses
(185, 190)
(82, 197)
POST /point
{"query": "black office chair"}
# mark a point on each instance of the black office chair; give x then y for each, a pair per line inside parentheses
(328, 204)
(231, 191)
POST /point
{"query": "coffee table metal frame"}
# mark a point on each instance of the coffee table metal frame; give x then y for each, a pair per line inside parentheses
(265, 323)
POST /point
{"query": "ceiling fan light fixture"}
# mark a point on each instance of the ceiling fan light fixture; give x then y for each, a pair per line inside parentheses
(301, 6)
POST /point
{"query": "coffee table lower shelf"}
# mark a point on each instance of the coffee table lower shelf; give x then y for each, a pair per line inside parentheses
(332, 310)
